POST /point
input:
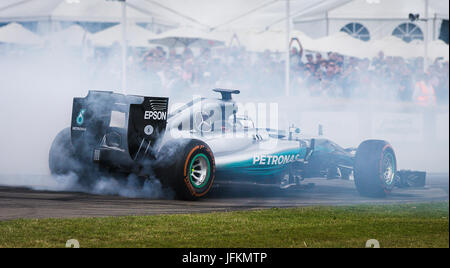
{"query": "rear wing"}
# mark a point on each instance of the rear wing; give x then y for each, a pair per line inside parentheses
(127, 123)
(146, 123)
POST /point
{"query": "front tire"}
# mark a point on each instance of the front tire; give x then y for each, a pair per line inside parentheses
(188, 167)
(375, 168)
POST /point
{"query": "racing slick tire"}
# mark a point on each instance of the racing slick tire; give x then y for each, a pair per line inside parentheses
(375, 168)
(188, 167)
(62, 158)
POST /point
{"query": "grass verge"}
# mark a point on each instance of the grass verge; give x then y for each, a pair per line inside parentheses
(412, 225)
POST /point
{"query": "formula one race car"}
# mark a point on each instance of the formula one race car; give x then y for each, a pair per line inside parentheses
(206, 140)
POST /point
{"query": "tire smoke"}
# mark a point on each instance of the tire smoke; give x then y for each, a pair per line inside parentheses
(37, 88)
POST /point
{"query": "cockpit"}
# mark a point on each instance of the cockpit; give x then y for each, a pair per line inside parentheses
(210, 115)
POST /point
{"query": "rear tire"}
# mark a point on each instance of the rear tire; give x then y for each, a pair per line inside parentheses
(62, 160)
(188, 167)
(375, 168)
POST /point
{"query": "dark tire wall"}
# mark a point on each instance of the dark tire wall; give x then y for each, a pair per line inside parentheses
(64, 160)
(368, 171)
(62, 154)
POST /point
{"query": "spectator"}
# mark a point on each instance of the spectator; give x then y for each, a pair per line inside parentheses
(389, 78)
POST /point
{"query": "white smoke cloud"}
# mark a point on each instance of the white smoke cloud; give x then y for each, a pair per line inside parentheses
(36, 93)
(131, 186)
(37, 88)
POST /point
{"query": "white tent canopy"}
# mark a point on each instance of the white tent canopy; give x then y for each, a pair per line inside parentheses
(74, 35)
(390, 45)
(15, 33)
(136, 36)
(71, 10)
(273, 40)
(187, 36)
(379, 17)
(415, 49)
(232, 14)
(344, 44)
(380, 10)
(237, 14)
(389, 9)
(438, 48)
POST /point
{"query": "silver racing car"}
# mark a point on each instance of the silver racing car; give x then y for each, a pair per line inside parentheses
(208, 140)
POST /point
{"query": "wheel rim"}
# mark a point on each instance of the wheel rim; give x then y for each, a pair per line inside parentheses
(199, 171)
(388, 168)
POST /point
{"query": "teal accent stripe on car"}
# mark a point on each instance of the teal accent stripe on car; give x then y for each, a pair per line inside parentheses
(246, 167)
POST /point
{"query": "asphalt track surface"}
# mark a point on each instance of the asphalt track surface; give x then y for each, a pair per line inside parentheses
(18, 203)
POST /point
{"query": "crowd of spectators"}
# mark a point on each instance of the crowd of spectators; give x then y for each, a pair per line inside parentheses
(195, 71)
(316, 74)
(383, 77)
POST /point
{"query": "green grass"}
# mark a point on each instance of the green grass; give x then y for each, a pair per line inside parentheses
(418, 225)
